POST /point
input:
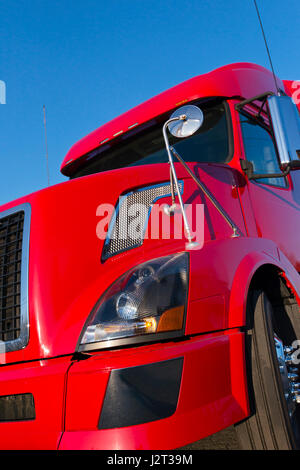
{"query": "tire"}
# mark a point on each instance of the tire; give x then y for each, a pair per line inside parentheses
(274, 420)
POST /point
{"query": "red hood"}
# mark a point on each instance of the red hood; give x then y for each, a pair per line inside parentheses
(66, 275)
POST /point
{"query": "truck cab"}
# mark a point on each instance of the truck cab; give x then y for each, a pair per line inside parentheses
(119, 328)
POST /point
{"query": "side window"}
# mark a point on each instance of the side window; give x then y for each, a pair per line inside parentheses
(260, 150)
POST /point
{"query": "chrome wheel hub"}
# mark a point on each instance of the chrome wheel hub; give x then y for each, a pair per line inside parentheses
(289, 374)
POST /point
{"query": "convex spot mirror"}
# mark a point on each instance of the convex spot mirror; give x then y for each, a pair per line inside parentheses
(190, 120)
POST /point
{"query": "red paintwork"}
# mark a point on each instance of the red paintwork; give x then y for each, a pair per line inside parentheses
(46, 381)
(66, 278)
(292, 88)
(206, 389)
(231, 80)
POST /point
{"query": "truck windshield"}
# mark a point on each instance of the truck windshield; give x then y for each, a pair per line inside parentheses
(145, 144)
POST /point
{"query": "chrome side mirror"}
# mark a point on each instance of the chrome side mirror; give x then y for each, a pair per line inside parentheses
(188, 119)
(286, 126)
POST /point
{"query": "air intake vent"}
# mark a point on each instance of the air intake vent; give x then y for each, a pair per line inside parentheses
(119, 238)
(14, 237)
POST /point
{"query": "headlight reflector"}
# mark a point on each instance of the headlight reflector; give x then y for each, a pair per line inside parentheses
(127, 306)
(149, 299)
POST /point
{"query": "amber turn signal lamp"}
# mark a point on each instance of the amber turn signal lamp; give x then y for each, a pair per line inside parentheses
(171, 319)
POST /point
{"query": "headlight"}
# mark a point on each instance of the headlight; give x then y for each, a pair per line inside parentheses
(148, 300)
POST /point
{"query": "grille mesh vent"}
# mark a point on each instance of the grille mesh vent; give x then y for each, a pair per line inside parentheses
(11, 237)
(120, 237)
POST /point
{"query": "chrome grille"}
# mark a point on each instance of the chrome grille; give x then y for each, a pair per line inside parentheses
(119, 238)
(13, 277)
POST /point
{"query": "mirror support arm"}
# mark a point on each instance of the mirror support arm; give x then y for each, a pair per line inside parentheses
(174, 180)
(212, 199)
(172, 188)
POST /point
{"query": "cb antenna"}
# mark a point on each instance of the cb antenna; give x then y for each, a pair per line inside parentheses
(267, 47)
(46, 145)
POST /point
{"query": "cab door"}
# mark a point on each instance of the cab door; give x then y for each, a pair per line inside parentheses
(275, 201)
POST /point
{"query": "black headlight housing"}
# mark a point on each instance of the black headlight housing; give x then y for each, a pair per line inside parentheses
(148, 303)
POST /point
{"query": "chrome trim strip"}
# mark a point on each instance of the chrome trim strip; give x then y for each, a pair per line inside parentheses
(22, 341)
(131, 340)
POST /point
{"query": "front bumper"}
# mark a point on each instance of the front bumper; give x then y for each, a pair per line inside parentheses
(40, 428)
(203, 377)
(159, 396)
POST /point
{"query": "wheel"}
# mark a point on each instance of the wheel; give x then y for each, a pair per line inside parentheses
(273, 376)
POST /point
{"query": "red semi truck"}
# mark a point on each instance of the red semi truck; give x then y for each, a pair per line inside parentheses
(140, 342)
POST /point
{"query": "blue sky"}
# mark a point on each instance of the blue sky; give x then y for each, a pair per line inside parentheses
(88, 61)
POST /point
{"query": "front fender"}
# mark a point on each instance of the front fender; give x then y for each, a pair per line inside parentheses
(220, 277)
